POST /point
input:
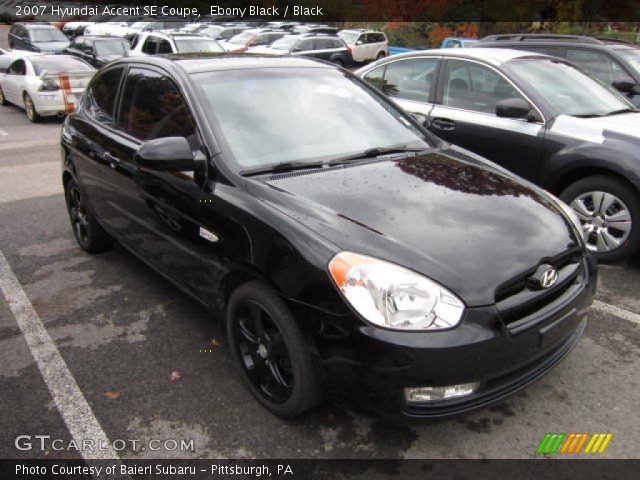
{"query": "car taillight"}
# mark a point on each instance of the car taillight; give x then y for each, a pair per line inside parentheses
(49, 86)
(349, 50)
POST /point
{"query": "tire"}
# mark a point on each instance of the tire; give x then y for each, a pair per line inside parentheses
(256, 367)
(30, 108)
(91, 237)
(3, 100)
(614, 224)
(338, 62)
(380, 55)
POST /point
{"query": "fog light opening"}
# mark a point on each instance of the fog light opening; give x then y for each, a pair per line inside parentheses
(431, 394)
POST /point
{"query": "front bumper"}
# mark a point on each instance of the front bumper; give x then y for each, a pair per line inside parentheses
(371, 368)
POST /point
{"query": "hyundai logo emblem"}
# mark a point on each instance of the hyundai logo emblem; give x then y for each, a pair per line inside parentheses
(549, 278)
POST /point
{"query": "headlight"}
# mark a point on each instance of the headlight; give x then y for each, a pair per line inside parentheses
(569, 212)
(392, 296)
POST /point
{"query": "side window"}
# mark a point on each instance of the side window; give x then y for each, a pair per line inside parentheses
(304, 45)
(380, 38)
(150, 46)
(362, 40)
(375, 76)
(471, 86)
(262, 39)
(153, 107)
(164, 46)
(597, 64)
(99, 99)
(322, 44)
(553, 51)
(77, 44)
(410, 79)
(19, 67)
(337, 44)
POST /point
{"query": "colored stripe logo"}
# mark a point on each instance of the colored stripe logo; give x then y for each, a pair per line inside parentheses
(574, 443)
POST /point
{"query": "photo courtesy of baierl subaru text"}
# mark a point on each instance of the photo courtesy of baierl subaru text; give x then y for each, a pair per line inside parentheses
(319, 239)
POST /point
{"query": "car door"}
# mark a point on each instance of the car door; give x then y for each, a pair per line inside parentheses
(409, 82)
(465, 115)
(154, 213)
(304, 48)
(322, 48)
(13, 80)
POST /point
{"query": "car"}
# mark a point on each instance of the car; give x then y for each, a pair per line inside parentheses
(323, 47)
(156, 43)
(252, 38)
(346, 250)
(37, 38)
(458, 42)
(122, 26)
(76, 28)
(365, 44)
(312, 28)
(98, 51)
(614, 62)
(221, 33)
(44, 85)
(573, 135)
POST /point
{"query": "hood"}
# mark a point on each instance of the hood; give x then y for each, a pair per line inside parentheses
(57, 46)
(597, 129)
(460, 222)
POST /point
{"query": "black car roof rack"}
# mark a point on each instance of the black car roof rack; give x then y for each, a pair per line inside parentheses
(520, 37)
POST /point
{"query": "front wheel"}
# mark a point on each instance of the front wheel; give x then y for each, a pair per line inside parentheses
(3, 100)
(609, 212)
(30, 108)
(270, 351)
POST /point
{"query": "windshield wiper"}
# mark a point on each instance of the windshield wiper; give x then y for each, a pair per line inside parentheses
(280, 167)
(373, 153)
(622, 110)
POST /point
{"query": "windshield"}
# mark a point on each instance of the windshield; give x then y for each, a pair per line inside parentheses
(566, 88)
(58, 64)
(188, 45)
(632, 55)
(47, 35)
(289, 114)
(242, 38)
(349, 37)
(285, 43)
(111, 47)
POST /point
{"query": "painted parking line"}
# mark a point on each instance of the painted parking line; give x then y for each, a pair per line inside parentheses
(617, 311)
(75, 411)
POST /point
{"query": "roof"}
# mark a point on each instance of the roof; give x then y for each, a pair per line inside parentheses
(199, 63)
(494, 56)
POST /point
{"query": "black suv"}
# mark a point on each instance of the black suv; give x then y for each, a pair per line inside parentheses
(321, 46)
(615, 62)
(98, 50)
(37, 38)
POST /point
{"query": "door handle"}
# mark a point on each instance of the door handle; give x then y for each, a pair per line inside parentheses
(443, 124)
(112, 159)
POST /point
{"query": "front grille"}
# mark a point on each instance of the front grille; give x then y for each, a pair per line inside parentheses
(518, 303)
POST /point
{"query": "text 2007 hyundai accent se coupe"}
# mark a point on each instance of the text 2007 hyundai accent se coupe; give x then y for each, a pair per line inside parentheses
(350, 253)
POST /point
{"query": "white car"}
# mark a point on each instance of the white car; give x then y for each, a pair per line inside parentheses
(126, 27)
(44, 85)
(157, 43)
(252, 38)
(365, 44)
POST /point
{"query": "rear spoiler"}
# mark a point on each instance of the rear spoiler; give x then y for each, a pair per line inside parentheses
(45, 75)
(64, 80)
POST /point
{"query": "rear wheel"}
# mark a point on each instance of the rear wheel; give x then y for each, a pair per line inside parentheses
(609, 211)
(30, 108)
(91, 237)
(380, 55)
(338, 62)
(270, 351)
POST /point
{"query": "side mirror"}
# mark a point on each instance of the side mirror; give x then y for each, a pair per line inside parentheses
(421, 119)
(624, 85)
(359, 42)
(88, 51)
(513, 108)
(169, 153)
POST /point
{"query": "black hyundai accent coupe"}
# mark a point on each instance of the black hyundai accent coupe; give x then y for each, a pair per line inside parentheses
(350, 253)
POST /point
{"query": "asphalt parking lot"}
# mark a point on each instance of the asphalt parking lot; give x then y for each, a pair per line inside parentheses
(148, 363)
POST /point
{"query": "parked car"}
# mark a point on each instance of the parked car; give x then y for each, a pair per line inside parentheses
(347, 250)
(541, 118)
(312, 28)
(365, 44)
(458, 42)
(77, 28)
(125, 27)
(221, 33)
(98, 51)
(45, 85)
(323, 47)
(612, 61)
(37, 38)
(157, 43)
(252, 38)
